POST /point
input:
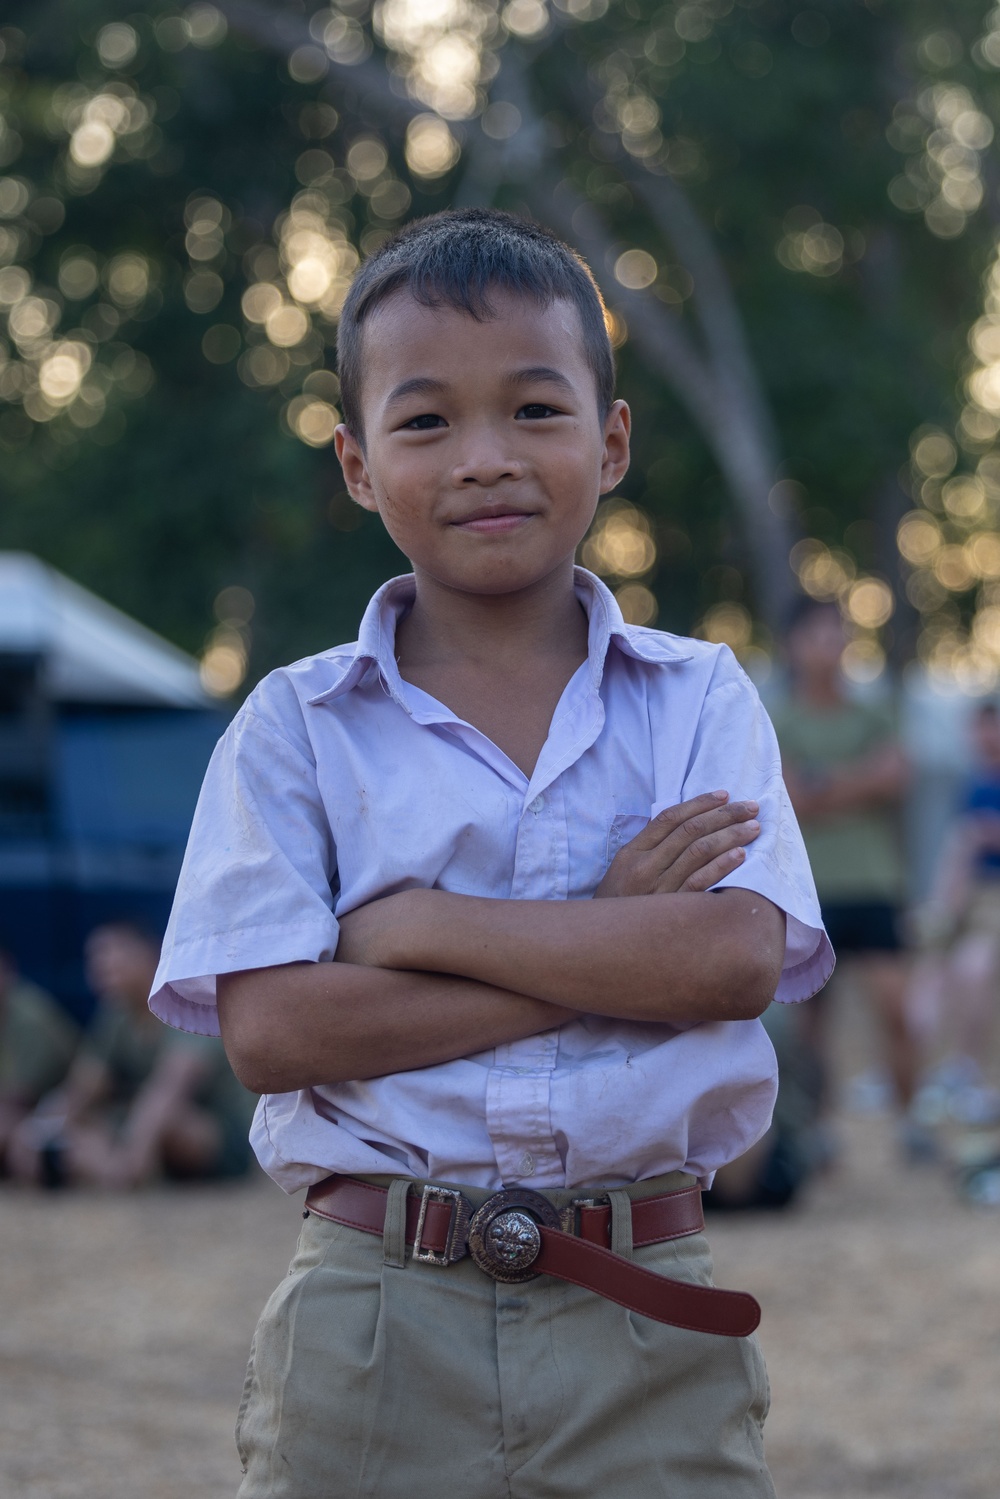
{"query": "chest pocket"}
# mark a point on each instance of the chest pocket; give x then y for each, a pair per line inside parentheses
(624, 828)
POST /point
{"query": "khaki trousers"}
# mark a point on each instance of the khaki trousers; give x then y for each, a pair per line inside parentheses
(373, 1376)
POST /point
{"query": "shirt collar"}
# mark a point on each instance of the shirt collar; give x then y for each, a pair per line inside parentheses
(607, 624)
(377, 637)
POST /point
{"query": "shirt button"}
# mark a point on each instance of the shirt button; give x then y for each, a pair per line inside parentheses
(537, 805)
(526, 1165)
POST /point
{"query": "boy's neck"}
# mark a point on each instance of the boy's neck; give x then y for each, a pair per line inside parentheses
(506, 632)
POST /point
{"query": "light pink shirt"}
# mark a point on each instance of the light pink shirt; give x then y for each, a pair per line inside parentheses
(338, 782)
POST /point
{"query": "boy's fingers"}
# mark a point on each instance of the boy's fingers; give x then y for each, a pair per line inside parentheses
(690, 820)
(692, 833)
(666, 822)
(706, 850)
(710, 874)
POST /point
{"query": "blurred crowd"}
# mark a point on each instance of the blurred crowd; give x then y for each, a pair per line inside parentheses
(927, 972)
(124, 1100)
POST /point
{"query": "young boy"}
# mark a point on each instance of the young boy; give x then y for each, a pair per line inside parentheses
(450, 888)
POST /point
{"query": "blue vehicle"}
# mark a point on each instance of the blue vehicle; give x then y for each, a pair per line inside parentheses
(105, 733)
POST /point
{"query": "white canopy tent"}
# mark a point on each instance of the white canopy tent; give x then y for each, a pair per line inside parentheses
(90, 651)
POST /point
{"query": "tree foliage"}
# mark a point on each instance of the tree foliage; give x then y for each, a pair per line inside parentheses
(790, 210)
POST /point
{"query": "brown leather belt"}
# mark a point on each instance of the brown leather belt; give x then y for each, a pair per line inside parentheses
(518, 1234)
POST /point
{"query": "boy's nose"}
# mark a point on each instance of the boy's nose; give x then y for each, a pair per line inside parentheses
(486, 469)
(485, 461)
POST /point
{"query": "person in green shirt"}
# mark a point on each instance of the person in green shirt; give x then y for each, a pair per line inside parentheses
(140, 1100)
(846, 776)
(37, 1042)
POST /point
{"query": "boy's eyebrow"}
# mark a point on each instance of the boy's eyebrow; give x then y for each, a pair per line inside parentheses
(424, 385)
(538, 374)
(417, 385)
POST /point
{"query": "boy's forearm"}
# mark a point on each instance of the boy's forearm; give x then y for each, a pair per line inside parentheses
(304, 1024)
(679, 958)
(682, 958)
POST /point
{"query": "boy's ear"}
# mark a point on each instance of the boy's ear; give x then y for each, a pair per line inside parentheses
(352, 461)
(614, 465)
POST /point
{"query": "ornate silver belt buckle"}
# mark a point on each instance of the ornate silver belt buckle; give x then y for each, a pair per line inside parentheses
(504, 1239)
(455, 1246)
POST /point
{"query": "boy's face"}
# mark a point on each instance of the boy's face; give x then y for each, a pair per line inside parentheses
(485, 452)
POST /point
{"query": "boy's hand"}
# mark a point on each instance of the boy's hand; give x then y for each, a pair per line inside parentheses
(689, 847)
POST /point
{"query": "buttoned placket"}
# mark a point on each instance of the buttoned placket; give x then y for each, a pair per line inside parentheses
(518, 1085)
(518, 1090)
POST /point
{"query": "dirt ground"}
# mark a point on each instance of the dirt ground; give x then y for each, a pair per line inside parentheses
(126, 1325)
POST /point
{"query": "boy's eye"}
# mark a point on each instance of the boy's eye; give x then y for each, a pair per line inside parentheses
(425, 423)
(535, 410)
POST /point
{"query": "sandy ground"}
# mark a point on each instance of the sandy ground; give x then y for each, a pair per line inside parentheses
(126, 1325)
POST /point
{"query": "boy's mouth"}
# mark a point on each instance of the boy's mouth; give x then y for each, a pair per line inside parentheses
(492, 519)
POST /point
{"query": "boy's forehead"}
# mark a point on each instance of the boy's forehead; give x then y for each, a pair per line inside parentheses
(403, 333)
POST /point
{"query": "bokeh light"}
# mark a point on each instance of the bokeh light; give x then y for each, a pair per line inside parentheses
(863, 661)
(728, 624)
(620, 543)
(431, 149)
(809, 244)
(313, 420)
(117, 44)
(636, 269)
(869, 603)
(442, 49)
(637, 603)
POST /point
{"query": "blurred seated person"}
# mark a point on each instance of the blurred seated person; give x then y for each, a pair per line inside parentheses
(140, 1100)
(846, 776)
(958, 982)
(37, 1042)
(771, 1173)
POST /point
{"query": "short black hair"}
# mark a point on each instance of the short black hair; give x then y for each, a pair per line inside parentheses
(455, 259)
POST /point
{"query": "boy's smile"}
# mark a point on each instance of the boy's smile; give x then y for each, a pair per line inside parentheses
(484, 449)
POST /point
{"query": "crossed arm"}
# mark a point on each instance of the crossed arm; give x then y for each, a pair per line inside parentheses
(425, 976)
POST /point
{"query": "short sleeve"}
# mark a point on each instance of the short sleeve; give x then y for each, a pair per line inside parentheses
(255, 888)
(735, 747)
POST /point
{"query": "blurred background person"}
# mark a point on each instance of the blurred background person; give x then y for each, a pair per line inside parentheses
(772, 1173)
(37, 1042)
(847, 775)
(957, 984)
(140, 1100)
